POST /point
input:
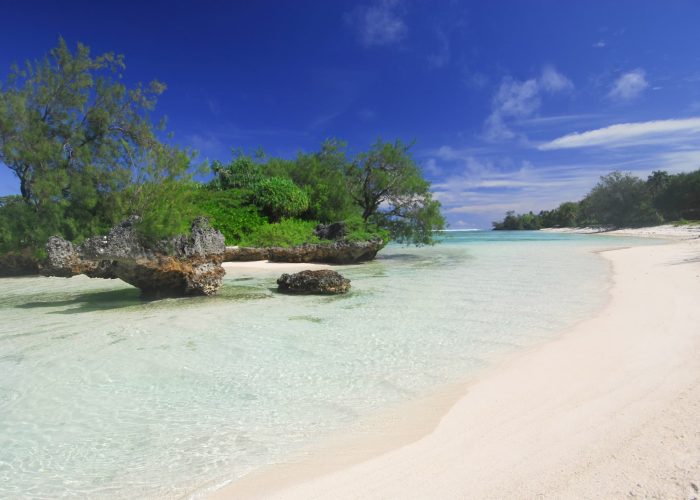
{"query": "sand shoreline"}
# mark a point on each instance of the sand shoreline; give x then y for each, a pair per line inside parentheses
(608, 409)
(664, 231)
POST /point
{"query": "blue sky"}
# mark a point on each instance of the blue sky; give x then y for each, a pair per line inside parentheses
(513, 105)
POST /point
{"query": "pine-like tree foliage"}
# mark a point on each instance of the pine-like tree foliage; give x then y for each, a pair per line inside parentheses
(82, 144)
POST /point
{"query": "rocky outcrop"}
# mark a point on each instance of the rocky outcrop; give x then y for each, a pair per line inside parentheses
(334, 232)
(335, 250)
(18, 264)
(339, 252)
(179, 266)
(245, 254)
(314, 282)
(64, 260)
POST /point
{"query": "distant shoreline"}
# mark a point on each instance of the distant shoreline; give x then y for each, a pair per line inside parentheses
(664, 231)
(608, 408)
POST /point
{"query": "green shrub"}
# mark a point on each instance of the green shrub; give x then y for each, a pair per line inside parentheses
(166, 208)
(227, 212)
(278, 197)
(285, 233)
(20, 226)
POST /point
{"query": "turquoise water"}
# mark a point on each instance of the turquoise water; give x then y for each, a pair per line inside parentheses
(103, 395)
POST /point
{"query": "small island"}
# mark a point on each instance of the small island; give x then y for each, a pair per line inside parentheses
(88, 156)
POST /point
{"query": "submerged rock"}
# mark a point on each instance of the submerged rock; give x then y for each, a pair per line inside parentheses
(183, 265)
(323, 281)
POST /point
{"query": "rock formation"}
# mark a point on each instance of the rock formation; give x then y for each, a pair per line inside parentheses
(335, 231)
(18, 264)
(245, 254)
(339, 252)
(323, 281)
(183, 265)
(336, 251)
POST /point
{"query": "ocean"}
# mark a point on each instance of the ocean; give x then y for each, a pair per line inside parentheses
(104, 395)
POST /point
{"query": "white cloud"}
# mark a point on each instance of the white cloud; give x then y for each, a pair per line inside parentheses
(627, 134)
(553, 81)
(379, 24)
(431, 167)
(495, 130)
(629, 86)
(518, 100)
(600, 44)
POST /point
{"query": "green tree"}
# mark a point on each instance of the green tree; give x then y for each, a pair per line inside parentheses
(390, 189)
(322, 175)
(77, 139)
(658, 182)
(680, 197)
(278, 197)
(567, 214)
(241, 173)
(621, 199)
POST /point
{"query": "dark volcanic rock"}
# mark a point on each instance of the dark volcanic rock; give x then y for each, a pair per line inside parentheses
(323, 281)
(183, 265)
(340, 252)
(335, 231)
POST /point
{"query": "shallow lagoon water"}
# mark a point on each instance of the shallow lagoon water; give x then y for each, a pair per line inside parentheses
(104, 395)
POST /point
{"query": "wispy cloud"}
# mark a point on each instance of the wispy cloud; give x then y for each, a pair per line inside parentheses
(441, 56)
(489, 187)
(366, 114)
(629, 86)
(626, 134)
(214, 106)
(517, 99)
(600, 44)
(553, 81)
(380, 24)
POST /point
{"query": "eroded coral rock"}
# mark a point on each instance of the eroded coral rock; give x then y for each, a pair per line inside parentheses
(323, 281)
(339, 252)
(179, 266)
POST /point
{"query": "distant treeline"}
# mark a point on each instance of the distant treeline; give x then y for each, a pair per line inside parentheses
(620, 200)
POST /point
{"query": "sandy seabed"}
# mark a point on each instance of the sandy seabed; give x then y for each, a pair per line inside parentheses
(610, 409)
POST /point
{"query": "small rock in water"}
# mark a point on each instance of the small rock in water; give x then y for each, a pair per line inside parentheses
(324, 281)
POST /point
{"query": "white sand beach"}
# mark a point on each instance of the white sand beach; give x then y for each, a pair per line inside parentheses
(264, 267)
(608, 410)
(664, 231)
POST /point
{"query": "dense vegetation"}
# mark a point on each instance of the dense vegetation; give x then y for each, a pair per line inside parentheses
(621, 200)
(87, 155)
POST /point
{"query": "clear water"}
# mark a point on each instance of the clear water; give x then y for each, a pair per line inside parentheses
(103, 395)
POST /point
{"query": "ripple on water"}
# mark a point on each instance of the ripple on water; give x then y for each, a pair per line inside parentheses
(104, 394)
